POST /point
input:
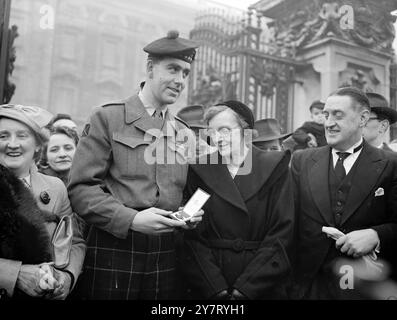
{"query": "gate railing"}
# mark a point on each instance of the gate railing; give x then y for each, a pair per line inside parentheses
(234, 61)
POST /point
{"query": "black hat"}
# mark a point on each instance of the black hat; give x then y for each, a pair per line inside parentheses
(380, 107)
(241, 109)
(173, 46)
(268, 130)
(193, 116)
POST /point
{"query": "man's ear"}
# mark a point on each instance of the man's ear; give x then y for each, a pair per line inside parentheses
(149, 68)
(364, 118)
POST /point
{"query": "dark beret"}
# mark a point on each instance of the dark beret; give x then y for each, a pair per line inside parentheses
(173, 46)
(241, 109)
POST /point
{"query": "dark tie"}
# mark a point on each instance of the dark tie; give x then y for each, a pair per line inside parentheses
(158, 115)
(339, 168)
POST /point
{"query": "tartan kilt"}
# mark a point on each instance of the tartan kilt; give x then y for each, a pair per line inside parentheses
(140, 267)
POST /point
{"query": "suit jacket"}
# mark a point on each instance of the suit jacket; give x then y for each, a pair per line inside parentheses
(254, 207)
(376, 169)
(114, 173)
(59, 206)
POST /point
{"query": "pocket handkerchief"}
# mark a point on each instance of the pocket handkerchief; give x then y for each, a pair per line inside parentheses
(379, 192)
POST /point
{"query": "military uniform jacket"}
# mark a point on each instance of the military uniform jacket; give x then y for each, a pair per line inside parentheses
(116, 171)
(126, 162)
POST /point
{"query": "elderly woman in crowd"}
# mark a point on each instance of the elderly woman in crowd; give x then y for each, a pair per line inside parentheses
(57, 156)
(240, 250)
(32, 204)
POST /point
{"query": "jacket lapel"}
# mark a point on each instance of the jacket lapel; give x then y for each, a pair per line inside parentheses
(38, 183)
(369, 168)
(319, 184)
(263, 165)
(218, 178)
(136, 114)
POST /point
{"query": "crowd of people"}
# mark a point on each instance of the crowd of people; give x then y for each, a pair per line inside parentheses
(91, 216)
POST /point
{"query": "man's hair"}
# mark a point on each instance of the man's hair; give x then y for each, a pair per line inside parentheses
(155, 59)
(316, 105)
(355, 94)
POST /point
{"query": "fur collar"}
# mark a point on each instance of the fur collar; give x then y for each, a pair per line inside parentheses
(23, 234)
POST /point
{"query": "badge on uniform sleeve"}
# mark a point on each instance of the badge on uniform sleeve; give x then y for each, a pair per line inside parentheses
(45, 197)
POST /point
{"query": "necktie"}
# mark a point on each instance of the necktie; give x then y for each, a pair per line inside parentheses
(339, 168)
(158, 115)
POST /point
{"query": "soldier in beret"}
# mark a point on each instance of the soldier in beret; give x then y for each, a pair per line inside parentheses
(124, 195)
(381, 117)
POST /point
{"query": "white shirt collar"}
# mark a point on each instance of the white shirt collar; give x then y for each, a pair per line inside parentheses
(351, 149)
(149, 108)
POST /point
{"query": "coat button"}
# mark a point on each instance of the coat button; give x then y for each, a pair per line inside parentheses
(238, 245)
(45, 197)
(275, 264)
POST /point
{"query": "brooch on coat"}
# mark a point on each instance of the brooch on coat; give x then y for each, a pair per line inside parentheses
(45, 197)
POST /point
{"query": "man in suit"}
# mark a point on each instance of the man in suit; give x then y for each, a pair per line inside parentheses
(127, 177)
(349, 185)
(381, 117)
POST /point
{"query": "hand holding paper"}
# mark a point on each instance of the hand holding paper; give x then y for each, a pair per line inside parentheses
(356, 243)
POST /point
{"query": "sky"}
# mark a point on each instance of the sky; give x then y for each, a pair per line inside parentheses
(240, 4)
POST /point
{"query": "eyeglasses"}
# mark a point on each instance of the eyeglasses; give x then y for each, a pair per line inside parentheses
(373, 118)
(224, 132)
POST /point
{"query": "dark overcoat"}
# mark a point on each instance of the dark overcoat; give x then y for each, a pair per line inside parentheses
(244, 239)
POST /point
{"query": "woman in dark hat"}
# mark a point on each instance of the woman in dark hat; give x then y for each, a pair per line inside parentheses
(31, 262)
(240, 250)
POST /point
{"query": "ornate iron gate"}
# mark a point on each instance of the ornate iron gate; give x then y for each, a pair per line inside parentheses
(234, 61)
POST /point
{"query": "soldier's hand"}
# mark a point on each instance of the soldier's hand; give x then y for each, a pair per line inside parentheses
(194, 220)
(155, 221)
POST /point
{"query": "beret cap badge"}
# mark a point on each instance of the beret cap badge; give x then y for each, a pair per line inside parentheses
(45, 197)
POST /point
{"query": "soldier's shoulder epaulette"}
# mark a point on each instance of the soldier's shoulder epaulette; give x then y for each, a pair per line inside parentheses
(114, 103)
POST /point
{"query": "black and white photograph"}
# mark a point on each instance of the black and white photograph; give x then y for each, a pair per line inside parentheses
(272, 121)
